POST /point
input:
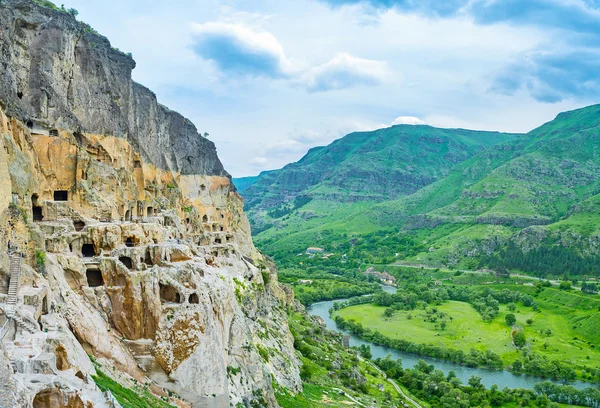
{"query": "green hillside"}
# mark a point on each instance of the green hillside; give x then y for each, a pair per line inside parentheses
(355, 172)
(518, 203)
(243, 183)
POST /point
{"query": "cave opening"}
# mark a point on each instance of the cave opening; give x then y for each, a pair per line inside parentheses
(148, 259)
(61, 195)
(137, 164)
(125, 260)
(194, 299)
(78, 224)
(37, 213)
(127, 215)
(150, 211)
(88, 251)
(94, 277)
(217, 240)
(129, 242)
(205, 218)
(169, 294)
(53, 132)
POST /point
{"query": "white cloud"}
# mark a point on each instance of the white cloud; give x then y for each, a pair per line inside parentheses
(344, 71)
(239, 49)
(407, 120)
(259, 162)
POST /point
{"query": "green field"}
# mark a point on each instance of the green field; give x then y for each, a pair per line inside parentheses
(573, 339)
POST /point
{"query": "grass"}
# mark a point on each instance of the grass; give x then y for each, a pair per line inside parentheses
(574, 328)
(127, 397)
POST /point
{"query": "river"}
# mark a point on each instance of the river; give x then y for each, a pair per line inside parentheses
(488, 377)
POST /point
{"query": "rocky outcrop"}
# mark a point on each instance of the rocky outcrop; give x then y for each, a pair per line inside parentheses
(57, 73)
(132, 253)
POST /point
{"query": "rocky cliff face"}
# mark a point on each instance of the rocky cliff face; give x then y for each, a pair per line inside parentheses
(132, 242)
(58, 73)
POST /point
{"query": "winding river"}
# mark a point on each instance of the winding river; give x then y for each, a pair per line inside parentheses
(488, 377)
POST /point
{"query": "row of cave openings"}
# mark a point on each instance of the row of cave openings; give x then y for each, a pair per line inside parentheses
(149, 212)
(36, 209)
(170, 294)
(30, 125)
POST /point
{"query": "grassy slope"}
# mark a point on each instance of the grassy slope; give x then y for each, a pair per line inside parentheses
(354, 173)
(551, 175)
(572, 317)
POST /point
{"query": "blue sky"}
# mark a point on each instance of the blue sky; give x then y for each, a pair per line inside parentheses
(270, 79)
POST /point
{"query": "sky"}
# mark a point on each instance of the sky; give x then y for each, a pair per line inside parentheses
(269, 79)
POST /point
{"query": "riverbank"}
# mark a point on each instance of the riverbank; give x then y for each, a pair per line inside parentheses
(488, 377)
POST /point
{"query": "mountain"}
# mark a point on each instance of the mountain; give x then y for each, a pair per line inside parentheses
(356, 171)
(519, 196)
(243, 183)
(126, 262)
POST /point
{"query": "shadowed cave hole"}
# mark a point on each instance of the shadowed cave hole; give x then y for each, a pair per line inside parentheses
(169, 294)
(205, 218)
(88, 251)
(94, 278)
(37, 213)
(78, 224)
(53, 132)
(61, 195)
(129, 242)
(194, 298)
(125, 260)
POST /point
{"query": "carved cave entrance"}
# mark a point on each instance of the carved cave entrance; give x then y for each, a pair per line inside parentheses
(169, 294)
(125, 260)
(78, 224)
(194, 298)
(61, 195)
(94, 277)
(88, 251)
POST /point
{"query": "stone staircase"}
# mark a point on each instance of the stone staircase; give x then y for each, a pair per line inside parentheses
(13, 289)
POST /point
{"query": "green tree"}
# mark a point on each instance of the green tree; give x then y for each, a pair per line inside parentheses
(510, 319)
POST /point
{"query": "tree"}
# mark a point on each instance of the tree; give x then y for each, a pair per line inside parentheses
(510, 319)
(519, 338)
(529, 321)
(443, 324)
(475, 382)
(565, 285)
(73, 12)
(388, 312)
(512, 307)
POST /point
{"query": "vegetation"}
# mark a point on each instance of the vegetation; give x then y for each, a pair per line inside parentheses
(448, 391)
(127, 397)
(333, 375)
(550, 332)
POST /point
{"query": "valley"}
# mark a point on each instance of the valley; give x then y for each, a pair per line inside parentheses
(494, 257)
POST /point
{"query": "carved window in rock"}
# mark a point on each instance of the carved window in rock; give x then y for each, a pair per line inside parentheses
(78, 224)
(53, 132)
(137, 164)
(37, 213)
(205, 218)
(61, 195)
(94, 277)
(169, 294)
(129, 242)
(125, 260)
(88, 251)
(194, 299)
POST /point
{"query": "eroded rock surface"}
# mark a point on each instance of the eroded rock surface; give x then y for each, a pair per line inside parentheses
(135, 249)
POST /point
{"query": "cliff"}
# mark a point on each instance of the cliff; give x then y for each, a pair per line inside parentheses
(125, 250)
(59, 73)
